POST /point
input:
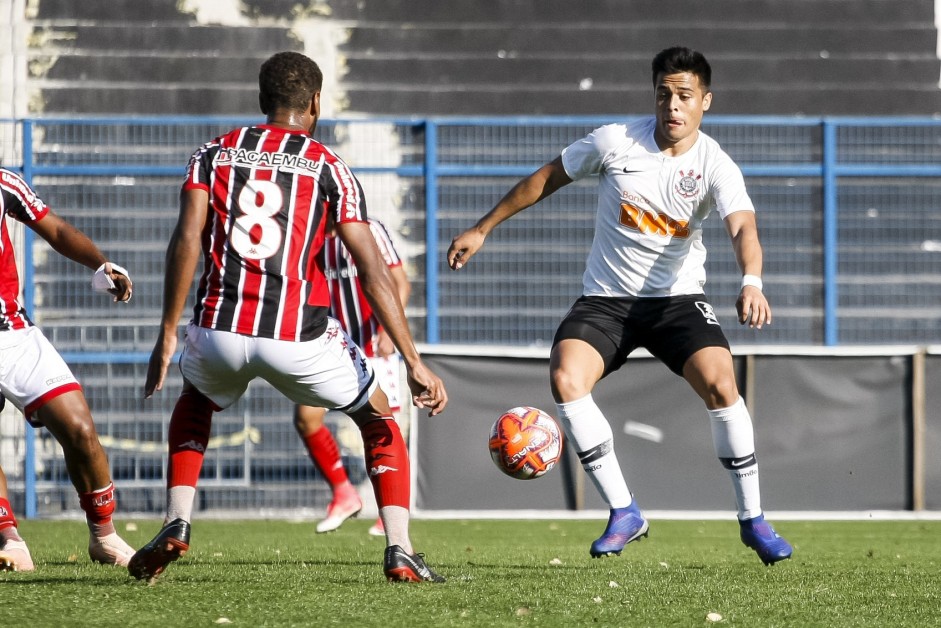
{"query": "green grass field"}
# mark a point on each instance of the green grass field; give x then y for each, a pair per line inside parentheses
(500, 573)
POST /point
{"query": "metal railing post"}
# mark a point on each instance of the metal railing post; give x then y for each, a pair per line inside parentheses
(29, 299)
(830, 235)
(431, 233)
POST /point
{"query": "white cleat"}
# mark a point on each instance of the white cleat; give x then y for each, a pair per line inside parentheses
(377, 529)
(339, 511)
(15, 557)
(110, 550)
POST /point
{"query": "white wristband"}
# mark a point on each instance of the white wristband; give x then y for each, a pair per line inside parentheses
(752, 280)
(101, 282)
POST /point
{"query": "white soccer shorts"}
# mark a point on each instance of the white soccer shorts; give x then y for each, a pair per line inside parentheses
(31, 371)
(329, 371)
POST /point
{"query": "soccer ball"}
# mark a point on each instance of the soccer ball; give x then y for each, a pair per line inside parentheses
(525, 443)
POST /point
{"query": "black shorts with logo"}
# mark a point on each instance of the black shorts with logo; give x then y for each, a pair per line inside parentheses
(671, 328)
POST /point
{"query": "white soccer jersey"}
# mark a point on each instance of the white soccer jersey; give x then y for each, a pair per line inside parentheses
(651, 207)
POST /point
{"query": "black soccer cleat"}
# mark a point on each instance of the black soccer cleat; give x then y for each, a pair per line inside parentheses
(170, 543)
(402, 567)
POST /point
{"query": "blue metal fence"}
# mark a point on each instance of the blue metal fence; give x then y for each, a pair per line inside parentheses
(848, 209)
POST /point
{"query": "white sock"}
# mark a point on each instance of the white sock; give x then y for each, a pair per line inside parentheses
(180, 503)
(734, 440)
(591, 434)
(395, 521)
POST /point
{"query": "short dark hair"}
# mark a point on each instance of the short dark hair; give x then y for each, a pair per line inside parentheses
(679, 59)
(288, 80)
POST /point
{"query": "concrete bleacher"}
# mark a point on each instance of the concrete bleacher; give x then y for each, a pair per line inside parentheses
(128, 57)
(810, 57)
(401, 57)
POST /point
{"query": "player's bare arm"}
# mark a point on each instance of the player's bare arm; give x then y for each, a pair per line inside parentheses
(376, 280)
(526, 193)
(752, 305)
(72, 243)
(182, 258)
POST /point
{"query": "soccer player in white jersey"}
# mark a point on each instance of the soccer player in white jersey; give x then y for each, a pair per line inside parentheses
(36, 380)
(349, 305)
(658, 180)
(253, 207)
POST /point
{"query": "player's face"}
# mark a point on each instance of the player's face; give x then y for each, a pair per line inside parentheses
(681, 102)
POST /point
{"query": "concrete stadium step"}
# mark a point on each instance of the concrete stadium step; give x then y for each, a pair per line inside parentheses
(524, 72)
(141, 99)
(170, 38)
(776, 99)
(606, 11)
(146, 67)
(580, 39)
(108, 10)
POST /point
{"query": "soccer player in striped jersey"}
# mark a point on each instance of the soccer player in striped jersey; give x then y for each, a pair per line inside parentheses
(37, 381)
(659, 178)
(253, 208)
(349, 305)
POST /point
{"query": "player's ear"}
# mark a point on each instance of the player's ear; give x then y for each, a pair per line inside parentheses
(261, 104)
(706, 101)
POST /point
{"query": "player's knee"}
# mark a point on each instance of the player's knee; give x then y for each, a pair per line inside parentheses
(721, 393)
(567, 385)
(307, 419)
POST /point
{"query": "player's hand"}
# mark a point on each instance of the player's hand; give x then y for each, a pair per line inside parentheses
(160, 358)
(427, 389)
(463, 248)
(123, 287)
(753, 308)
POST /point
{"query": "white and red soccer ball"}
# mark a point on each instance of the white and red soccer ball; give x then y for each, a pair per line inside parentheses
(525, 443)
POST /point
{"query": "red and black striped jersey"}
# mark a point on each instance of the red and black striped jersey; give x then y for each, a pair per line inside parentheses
(348, 304)
(269, 189)
(19, 201)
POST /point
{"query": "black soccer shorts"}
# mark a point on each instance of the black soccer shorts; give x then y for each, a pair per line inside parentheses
(671, 328)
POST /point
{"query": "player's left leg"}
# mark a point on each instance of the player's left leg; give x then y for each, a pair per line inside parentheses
(69, 420)
(14, 554)
(710, 372)
(389, 471)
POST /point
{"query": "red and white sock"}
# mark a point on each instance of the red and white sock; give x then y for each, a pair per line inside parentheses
(8, 530)
(187, 438)
(388, 465)
(99, 507)
(325, 454)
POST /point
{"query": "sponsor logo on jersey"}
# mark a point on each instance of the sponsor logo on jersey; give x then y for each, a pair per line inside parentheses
(254, 158)
(707, 312)
(688, 185)
(650, 223)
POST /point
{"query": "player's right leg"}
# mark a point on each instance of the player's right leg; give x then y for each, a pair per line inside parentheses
(216, 369)
(187, 437)
(575, 367)
(325, 454)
